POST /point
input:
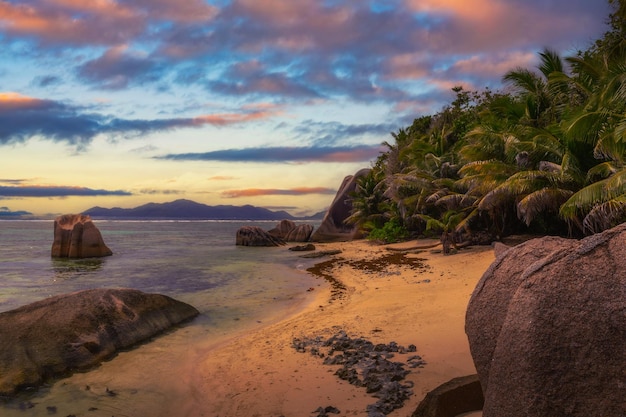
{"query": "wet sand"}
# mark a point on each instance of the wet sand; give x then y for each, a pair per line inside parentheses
(262, 374)
(414, 299)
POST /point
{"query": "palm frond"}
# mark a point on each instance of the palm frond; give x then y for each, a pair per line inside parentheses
(605, 215)
(540, 201)
(452, 201)
(603, 170)
(583, 200)
(495, 198)
(464, 224)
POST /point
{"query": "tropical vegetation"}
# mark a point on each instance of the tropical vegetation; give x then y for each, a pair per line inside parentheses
(546, 156)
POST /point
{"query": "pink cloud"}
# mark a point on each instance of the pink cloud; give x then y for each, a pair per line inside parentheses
(98, 22)
(494, 65)
(16, 101)
(408, 66)
(221, 178)
(249, 113)
(492, 25)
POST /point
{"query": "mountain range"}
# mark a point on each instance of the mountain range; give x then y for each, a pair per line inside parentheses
(187, 209)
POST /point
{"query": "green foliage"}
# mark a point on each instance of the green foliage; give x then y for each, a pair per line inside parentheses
(392, 231)
(549, 155)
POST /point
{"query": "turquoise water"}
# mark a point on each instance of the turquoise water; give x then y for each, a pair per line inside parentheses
(193, 261)
(235, 289)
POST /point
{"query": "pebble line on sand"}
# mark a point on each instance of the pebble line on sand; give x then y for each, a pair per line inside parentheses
(365, 364)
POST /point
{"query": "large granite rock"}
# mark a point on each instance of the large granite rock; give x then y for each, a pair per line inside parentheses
(301, 233)
(255, 236)
(547, 328)
(288, 231)
(282, 229)
(75, 236)
(457, 396)
(333, 227)
(62, 334)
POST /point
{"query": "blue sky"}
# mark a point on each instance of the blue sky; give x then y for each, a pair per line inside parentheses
(263, 102)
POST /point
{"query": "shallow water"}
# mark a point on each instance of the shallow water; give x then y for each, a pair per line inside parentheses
(234, 288)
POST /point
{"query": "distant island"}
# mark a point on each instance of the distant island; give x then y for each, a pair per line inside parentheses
(191, 210)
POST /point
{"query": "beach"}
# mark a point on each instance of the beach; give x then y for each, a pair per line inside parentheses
(262, 374)
(371, 292)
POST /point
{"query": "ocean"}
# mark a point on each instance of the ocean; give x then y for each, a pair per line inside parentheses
(235, 289)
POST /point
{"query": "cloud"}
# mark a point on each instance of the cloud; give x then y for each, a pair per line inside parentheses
(105, 22)
(160, 191)
(257, 192)
(6, 212)
(284, 154)
(221, 178)
(118, 67)
(331, 133)
(47, 81)
(55, 191)
(278, 51)
(22, 117)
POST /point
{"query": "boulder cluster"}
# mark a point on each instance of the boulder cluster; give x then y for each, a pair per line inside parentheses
(333, 228)
(547, 328)
(285, 231)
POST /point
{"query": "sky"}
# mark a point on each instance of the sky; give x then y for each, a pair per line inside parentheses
(117, 103)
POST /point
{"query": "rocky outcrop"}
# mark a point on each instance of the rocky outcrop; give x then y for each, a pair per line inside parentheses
(62, 334)
(457, 396)
(303, 248)
(255, 236)
(75, 236)
(333, 227)
(301, 233)
(288, 231)
(282, 229)
(547, 328)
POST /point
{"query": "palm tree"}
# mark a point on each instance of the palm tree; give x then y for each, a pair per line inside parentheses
(600, 126)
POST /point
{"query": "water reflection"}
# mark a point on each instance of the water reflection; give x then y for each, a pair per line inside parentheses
(68, 269)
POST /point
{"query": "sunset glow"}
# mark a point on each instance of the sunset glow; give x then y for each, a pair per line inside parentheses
(265, 102)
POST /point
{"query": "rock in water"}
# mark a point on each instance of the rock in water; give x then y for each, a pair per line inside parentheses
(301, 233)
(75, 236)
(282, 229)
(547, 328)
(288, 231)
(62, 334)
(333, 227)
(255, 236)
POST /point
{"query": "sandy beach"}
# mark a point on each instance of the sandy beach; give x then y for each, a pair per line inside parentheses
(262, 374)
(369, 292)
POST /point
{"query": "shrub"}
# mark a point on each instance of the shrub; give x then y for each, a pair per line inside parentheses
(392, 231)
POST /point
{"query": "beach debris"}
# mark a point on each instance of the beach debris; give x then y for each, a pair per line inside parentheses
(382, 263)
(323, 411)
(368, 365)
(323, 270)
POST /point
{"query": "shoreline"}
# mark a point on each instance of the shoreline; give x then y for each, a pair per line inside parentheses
(262, 374)
(414, 299)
